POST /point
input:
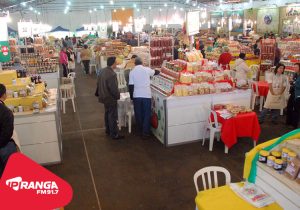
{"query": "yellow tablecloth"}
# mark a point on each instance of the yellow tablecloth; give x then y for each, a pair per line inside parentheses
(223, 198)
(6, 77)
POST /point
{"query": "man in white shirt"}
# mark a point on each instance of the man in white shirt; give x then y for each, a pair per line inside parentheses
(140, 92)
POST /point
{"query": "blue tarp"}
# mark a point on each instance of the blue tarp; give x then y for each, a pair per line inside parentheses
(59, 28)
(80, 29)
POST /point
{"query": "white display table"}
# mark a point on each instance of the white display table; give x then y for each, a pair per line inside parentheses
(285, 191)
(40, 134)
(182, 119)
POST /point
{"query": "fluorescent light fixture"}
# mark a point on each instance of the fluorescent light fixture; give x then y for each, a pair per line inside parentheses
(138, 9)
(95, 9)
(67, 8)
(134, 5)
(31, 8)
(39, 13)
(102, 7)
(69, 3)
(160, 10)
(111, 2)
(175, 7)
(150, 7)
(181, 9)
(90, 11)
(23, 4)
(115, 10)
(194, 4)
(165, 4)
(35, 11)
(123, 8)
(65, 12)
(187, 1)
(221, 1)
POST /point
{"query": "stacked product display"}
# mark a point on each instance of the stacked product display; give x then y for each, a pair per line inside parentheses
(196, 76)
(24, 94)
(161, 48)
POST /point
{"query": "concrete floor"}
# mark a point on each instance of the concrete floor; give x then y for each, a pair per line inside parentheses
(134, 173)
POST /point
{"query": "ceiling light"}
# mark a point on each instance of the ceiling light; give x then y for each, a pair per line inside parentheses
(65, 12)
(221, 1)
(198, 7)
(102, 7)
(134, 5)
(111, 2)
(123, 8)
(194, 4)
(67, 8)
(35, 11)
(175, 7)
(69, 3)
(187, 1)
(30, 8)
(115, 10)
(95, 9)
(138, 9)
(23, 4)
(150, 8)
(160, 10)
(39, 13)
(166, 5)
(181, 9)
(90, 11)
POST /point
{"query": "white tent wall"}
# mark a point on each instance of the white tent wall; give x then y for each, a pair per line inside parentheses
(74, 20)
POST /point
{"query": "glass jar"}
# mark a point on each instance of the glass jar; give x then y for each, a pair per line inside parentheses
(276, 154)
(278, 164)
(291, 156)
(271, 160)
(263, 156)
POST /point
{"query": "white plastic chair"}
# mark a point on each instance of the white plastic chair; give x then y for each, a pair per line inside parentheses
(129, 113)
(214, 128)
(67, 93)
(254, 70)
(207, 172)
(121, 80)
(72, 76)
(93, 65)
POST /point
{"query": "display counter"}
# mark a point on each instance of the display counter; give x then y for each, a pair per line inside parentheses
(52, 79)
(40, 133)
(179, 120)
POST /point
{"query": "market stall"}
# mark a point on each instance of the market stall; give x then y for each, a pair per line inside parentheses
(37, 116)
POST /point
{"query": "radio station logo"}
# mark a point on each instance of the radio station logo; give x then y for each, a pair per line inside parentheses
(41, 187)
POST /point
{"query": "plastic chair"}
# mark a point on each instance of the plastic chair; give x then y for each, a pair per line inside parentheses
(93, 65)
(129, 114)
(72, 76)
(214, 128)
(121, 80)
(254, 70)
(207, 171)
(67, 93)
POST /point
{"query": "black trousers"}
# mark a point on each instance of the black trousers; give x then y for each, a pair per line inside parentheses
(296, 114)
(111, 119)
(86, 64)
(65, 70)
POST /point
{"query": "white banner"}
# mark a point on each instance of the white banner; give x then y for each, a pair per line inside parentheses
(193, 23)
(25, 29)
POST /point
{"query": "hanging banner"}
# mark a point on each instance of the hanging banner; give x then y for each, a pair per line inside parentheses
(139, 24)
(292, 11)
(237, 18)
(193, 23)
(3, 26)
(115, 27)
(4, 51)
(102, 30)
(215, 19)
(24, 29)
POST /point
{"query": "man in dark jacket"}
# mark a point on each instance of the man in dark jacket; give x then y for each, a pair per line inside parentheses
(7, 145)
(108, 94)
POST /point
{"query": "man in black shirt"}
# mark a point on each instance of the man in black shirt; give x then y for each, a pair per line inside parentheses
(7, 145)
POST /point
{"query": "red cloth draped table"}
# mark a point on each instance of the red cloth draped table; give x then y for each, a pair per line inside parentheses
(242, 125)
(263, 88)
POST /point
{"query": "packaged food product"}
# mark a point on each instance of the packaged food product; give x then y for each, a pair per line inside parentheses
(292, 168)
(184, 90)
(178, 90)
(278, 164)
(284, 153)
(276, 154)
(263, 154)
(270, 161)
(291, 156)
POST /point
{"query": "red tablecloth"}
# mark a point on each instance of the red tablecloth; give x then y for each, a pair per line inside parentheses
(243, 125)
(263, 88)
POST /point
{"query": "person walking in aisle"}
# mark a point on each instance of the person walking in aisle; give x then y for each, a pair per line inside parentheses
(63, 60)
(291, 102)
(108, 94)
(275, 98)
(7, 144)
(86, 56)
(140, 92)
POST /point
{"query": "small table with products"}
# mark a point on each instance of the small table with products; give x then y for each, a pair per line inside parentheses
(237, 121)
(263, 88)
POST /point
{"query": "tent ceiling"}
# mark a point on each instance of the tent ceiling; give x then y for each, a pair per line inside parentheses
(80, 5)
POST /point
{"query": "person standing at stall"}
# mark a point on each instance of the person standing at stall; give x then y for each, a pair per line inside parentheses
(291, 117)
(86, 56)
(7, 144)
(71, 59)
(140, 93)
(275, 98)
(225, 59)
(241, 67)
(108, 93)
(63, 60)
